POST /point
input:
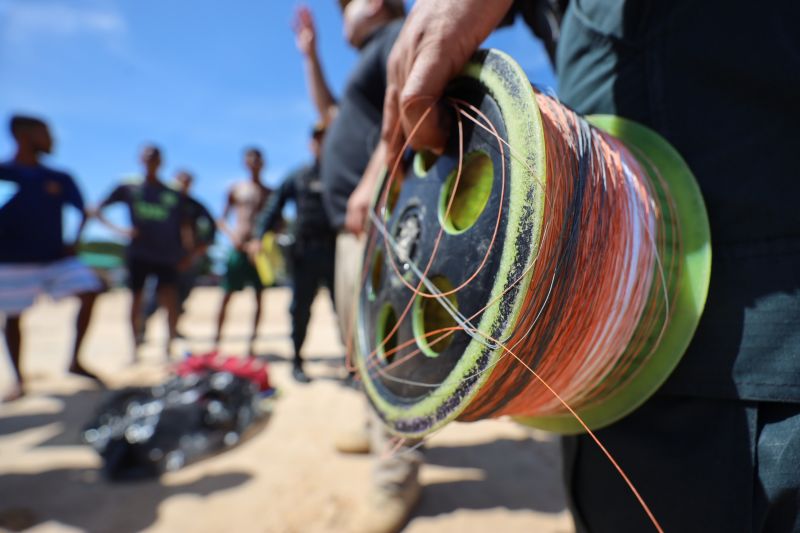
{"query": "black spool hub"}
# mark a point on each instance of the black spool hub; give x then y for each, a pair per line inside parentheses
(414, 222)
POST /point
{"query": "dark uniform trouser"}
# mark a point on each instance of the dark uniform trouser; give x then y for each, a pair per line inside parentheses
(701, 465)
(313, 266)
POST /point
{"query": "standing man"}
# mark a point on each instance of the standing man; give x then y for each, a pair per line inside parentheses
(314, 247)
(196, 237)
(717, 448)
(370, 26)
(158, 217)
(33, 257)
(246, 198)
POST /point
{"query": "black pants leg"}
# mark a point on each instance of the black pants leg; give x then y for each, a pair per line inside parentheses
(701, 465)
(305, 288)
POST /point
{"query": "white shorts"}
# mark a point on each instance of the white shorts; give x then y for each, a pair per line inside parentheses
(21, 283)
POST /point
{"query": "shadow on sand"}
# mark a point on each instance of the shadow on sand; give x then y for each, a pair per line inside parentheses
(514, 474)
(81, 497)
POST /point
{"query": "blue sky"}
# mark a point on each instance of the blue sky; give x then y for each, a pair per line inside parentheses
(202, 79)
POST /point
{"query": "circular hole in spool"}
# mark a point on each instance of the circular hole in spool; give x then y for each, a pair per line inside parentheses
(423, 162)
(471, 195)
(387, 320)
(430, 315)
(376, 275)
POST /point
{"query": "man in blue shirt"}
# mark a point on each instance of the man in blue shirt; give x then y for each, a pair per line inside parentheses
(33, 257)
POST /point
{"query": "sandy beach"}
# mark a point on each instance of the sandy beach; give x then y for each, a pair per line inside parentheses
(492, 475)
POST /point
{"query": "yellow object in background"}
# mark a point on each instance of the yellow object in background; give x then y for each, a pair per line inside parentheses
(269, 259)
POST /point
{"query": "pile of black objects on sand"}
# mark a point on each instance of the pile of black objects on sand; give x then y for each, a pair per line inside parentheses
(209, 405)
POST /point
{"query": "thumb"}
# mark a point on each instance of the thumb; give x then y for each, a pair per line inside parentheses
(422, 115)
(392, 132)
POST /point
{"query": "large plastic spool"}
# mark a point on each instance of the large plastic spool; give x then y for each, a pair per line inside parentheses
(428, 390)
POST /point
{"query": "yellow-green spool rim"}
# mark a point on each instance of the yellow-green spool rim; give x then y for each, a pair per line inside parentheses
(525, 189)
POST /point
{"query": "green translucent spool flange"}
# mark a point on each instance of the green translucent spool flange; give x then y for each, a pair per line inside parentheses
(694, 263)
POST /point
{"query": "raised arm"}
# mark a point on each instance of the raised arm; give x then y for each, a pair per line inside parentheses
(306, 38)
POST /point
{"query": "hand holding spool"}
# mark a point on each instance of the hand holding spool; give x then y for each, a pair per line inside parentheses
(540, 237)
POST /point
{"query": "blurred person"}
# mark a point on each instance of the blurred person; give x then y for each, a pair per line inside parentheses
(34, 259)
(716, 448)
(196, 237)
(246, 199)
(371, 27)
(158, 216)
(312, 255)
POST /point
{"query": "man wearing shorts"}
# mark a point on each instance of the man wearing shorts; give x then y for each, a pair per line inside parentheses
(246, 199)
(158, 216)
(33, 257)
(197, 237)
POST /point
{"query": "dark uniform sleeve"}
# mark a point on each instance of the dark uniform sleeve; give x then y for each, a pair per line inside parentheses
(271, 213)
(543, 17)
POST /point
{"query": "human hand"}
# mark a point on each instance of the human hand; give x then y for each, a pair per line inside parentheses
(305, 32)
(437, 39)
(128, 233)
(360, 199)
(253, 247)
(358, 206)
(185, 263)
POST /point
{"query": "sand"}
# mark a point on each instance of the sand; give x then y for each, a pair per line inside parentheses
(492, 475)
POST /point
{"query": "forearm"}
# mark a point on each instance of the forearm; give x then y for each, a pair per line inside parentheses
(81, 226)
(269, 216)
(98, 213)
(222, 225)
(318, 87)
(358, 205)
(375, 168)
(199, 251)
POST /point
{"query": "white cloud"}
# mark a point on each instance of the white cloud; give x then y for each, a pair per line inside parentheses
(27, 21)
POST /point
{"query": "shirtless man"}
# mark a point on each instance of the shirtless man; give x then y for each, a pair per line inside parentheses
(246, 198)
